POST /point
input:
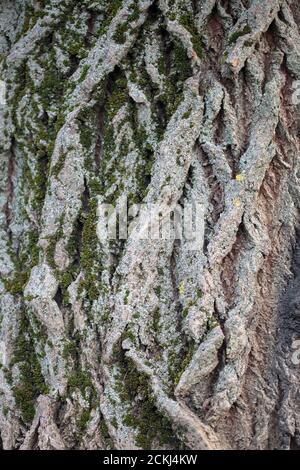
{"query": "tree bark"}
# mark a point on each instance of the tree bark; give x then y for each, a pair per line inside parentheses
(154, 343)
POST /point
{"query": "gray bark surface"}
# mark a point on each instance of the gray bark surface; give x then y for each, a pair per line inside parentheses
(131, 344)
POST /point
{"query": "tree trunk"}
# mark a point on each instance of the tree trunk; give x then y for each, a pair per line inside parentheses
(131, 343)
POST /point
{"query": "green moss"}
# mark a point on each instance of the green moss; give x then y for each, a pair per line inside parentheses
(105, 315)
(175, 76)
(8, 376)
(86, 127)
(32, 249)
(128, 334)
(74, 44)
(52, 241)
(127, 292)
(83, 420)
(109, 13)
(211, 324)
(224, 58)
(80, 380)
(114, 422)
(84, 72)
(157, 291)
(17, 284)
(31, 382)
(199, 293)
(88, 254)
(186, 115)
(187, 21)
(185, 312)
(52, 86)
(153, 426)
(50, 251)
(135, 13)
(105, 433)
(172, 16)
(24, 259)
(31, 17)
(182, 67)
(69, 350)
(66, 279)
(234, 37)
(29, 298)
(22, 81)
(120, 34)
(40, 333)
(104, 429)
(156, 320)
(159, 269)
(117, 97)
(129, 420)
(177, 362)
(56, 169)
(38, 135)
(40, 181)
(143, 167)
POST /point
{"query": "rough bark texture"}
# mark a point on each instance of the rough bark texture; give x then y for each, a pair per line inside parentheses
(149, 344)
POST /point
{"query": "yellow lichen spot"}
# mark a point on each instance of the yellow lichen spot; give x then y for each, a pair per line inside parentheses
(239, 177)
(181, 288)
(236, 202)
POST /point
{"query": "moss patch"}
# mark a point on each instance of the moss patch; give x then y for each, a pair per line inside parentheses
(234, 37)
(31, 383)
(187, 20)
(179, 361)
(153, 427)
